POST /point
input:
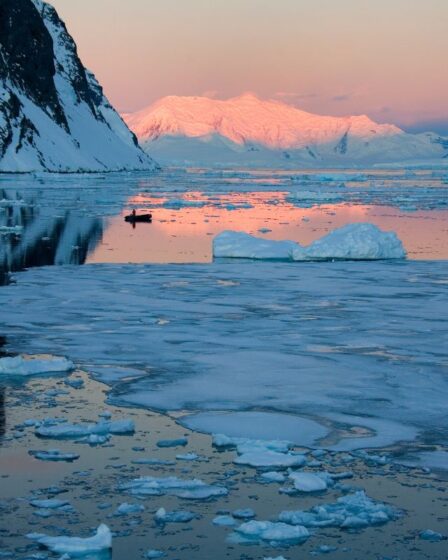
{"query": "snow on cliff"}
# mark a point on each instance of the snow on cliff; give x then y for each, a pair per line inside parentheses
(248, 130)
(53, 113)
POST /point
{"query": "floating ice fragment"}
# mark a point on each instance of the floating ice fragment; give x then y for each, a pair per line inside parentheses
(181, 516)
(256, 531)
(187, 457)
(224, 521)
(166, 443)
(349, 512)
(431, 536)
(76, 431)
(244, 513)
(128, 509)
(54, 455)
(273, 476)
(245, 445)
(49, 504)
(75, 546)
(309, 482)
(267, 458)
(235, 244)
(24, 366)
(154, 554)
(172, 486)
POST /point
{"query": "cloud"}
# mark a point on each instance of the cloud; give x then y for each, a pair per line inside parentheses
(343, 97)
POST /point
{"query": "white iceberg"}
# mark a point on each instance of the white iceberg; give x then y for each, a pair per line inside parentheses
(361, 241)
(353, 242)
(172, 486)
(239, 245)
(75, 546)
(349, 512)
(24, 366)
(256, 531)
(75, 431)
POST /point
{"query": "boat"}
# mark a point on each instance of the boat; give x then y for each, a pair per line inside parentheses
(136, 218)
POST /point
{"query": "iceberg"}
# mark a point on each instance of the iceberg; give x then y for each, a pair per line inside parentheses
(75, 546)
(362, 241)
(354, 511)
(239, 245)
(172, 486)
(25, 366)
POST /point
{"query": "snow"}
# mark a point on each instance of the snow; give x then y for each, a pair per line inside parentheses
(246, 130)
(349, 512)
(308, 482)
(351, 242)
(25, 366)
(76, 431)
(172, 486)
(75, 546)
(256, 531)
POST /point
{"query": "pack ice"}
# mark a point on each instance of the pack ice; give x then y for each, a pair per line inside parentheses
(351, 242)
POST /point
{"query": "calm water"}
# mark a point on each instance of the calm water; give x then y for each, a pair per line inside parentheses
(73, 220)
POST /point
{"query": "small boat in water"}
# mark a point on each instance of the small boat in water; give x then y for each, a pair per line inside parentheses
(136, 218)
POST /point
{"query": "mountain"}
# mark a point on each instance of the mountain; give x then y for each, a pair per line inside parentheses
(249, 131)
(53, 113)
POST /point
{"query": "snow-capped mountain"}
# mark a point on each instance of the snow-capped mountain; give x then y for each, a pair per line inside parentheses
(53, 114)
(249, 131)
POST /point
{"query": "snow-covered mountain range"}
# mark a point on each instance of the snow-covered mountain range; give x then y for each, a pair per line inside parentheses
(53, 113)
(249, 131)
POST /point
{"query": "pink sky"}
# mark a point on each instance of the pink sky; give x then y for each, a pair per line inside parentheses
(386, 58)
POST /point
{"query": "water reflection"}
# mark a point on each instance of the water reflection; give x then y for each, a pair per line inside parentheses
(33, 236)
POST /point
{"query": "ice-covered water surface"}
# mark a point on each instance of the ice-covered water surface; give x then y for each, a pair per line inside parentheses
(357, 349)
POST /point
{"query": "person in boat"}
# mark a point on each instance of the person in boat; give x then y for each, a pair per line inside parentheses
(134, 213)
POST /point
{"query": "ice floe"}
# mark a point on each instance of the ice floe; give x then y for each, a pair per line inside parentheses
(24, 366)
(54, 455)
(354, 511)
(128, 509)
(431, 536)
(172, 486)
(77, 431)
(267, 458)
(270, 532)
(309, 482)
(179, 516)
(75, 546)
(361, 241)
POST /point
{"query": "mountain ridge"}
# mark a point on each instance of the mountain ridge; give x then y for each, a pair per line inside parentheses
(53, 112)
(248, 124)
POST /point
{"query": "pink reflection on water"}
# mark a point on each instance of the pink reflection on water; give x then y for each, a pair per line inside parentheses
(185, 235)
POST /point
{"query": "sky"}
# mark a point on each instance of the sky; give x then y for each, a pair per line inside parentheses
(384, 58)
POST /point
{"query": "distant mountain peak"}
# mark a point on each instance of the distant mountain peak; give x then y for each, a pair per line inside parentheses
(246, 129)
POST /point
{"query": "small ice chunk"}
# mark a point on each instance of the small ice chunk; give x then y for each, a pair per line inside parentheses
(75, 546)
(267, 458)
(24, 366)
(128, 509)
(76, 431)
(244, 513)
(154, 554)
(53, 503)
(54, 455)
(308, 482)
(244, 445)
(273, 476)
(256, 531)
(180, 516)
(431, 536)
(166, 443)
(172, 486)
(187, 457)
(224, 521)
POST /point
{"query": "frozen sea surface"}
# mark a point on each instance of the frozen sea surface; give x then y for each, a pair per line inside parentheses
(356, 349)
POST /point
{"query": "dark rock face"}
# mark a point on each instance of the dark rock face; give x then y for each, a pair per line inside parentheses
(27, 55)
(53, 112)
